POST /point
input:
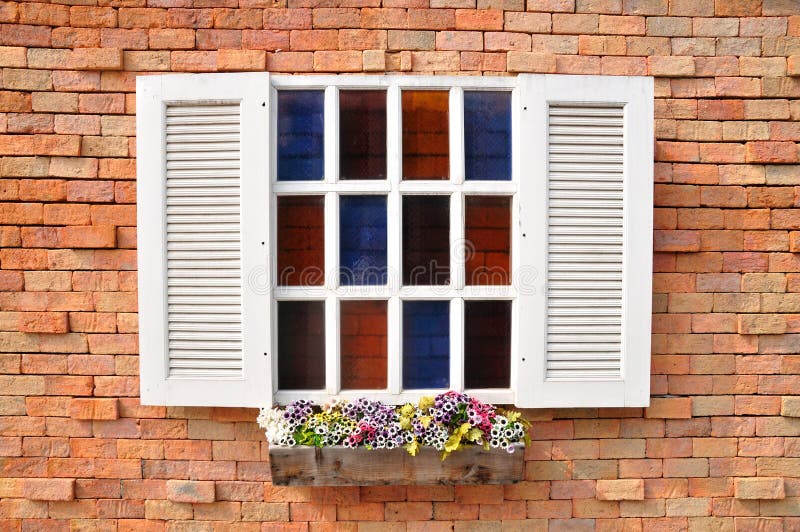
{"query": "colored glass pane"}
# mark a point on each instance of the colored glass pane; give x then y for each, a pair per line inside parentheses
(362, 134)
(426, 140)
(362, 240)
(300, 135)
(426, 344)
(426, 240)
(301, 240)
(488, 240)
(363, 345)
(487, 344)
(301, 345)
(487, 135)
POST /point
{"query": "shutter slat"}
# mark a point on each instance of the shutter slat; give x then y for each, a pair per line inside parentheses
(585, 242)
(203, 199)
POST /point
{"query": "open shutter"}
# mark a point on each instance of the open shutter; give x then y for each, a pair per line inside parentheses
(203, 235)
(586, 203)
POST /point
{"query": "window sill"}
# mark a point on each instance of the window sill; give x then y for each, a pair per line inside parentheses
(340, 466)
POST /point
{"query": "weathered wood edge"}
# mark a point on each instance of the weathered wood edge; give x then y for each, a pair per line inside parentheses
(340, 466)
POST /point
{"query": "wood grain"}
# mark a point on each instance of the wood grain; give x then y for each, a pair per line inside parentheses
(339, 466)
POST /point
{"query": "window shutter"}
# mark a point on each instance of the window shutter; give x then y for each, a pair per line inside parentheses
(203, 234)
(586, 206)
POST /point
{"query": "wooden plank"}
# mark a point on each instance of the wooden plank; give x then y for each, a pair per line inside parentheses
(339, 466)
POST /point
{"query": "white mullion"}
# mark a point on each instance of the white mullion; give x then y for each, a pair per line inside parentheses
(501, 396)
(347, 187)
(394, 229)
(363, 292)
(355, 81)
(493, 292)
(516, 240)
(332, 365)
(457, 344)
(331, 284)
(458, 243)
(502, 188)
(331, 134)
(456, 126)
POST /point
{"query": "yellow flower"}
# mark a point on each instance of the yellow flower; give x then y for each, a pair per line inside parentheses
(412, 447)
(426, 402)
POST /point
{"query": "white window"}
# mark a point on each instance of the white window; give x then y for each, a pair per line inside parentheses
(395, 236)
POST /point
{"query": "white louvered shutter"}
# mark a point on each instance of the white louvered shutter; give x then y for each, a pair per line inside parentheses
(586, 207)
(203, 227)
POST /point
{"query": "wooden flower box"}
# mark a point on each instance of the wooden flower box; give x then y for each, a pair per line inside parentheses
(340, 466)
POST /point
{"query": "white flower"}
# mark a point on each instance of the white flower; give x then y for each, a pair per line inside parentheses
(277, 430)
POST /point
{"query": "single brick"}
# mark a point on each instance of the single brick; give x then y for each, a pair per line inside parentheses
(43, 322)
(99, 409)
(620, 490)
(190, 491)
(670, 408)
(790, 406)
(759, 488)
(48, 489)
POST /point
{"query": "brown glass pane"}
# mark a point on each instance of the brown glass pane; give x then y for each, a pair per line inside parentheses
(426, 240)
(301, 345)
(363, 345)
(487, 344)
(301, 240)
(426, 141)
(488, 240)
(362, 134)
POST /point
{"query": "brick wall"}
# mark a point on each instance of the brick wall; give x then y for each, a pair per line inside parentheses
(75, 445)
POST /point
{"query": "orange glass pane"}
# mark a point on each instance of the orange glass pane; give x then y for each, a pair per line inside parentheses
(301, 240)
(426, 139)
(488, 240)
(363, 345)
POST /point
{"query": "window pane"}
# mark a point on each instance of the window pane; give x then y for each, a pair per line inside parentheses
(362, 240)
(300, 135)
(426, 141)
(301, 345)
(488, 240)
(301, 240)
(362, 134)
(426, 240)
(363, 345)
(426, 344)
(487, 135)
(487, 344)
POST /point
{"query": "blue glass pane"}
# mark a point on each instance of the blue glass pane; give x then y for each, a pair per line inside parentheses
(362, 240)
(426, 344)
(487, 135)
(300, 135)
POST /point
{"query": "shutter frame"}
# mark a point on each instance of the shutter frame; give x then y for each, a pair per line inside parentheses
(537, 92)
(253, 387)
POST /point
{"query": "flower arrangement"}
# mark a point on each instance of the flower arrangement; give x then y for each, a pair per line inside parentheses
(446, 422)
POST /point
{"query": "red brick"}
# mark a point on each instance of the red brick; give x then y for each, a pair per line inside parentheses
(94, 409)
(190, 491)
(43, 489)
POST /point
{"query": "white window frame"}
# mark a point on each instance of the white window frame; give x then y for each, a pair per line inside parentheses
(393, 187)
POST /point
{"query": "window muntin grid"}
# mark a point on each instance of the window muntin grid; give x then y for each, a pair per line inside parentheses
(456, 189)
